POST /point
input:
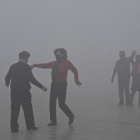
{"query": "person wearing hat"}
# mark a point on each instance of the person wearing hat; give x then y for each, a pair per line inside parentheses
(19, 77)
(136, 79)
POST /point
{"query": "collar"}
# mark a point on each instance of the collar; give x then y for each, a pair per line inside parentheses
(22, 61)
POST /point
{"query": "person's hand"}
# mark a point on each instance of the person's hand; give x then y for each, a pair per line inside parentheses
(6, 85)
(112, 80)
(44, 89)
(32, 66)
(78, 82)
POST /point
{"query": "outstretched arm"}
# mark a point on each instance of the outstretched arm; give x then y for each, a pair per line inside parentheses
(8, 77)
(75, 71)
(36, 83)
(114, 72)
(43, 65)
(132, 57)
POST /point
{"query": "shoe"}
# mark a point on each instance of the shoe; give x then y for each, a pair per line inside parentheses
(52, 123)
(71, 120)
(34, 128)
(120, 103)
(14, 130)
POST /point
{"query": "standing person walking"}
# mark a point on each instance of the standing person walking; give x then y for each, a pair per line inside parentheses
(122, 68)
(136, 79)
(60, 69)
(20, 75)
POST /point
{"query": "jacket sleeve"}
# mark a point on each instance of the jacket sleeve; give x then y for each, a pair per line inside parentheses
(44, 65)
(115, 70)
(73, 69)
(34, 81)
(8, 77)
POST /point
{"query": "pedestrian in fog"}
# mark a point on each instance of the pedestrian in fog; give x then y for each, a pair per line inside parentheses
(122, 68)
(20, 76)
(60, 69)
(136, 79)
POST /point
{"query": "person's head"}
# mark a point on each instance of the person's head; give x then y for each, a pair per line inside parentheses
(60, 54)
(122, 54)
(137, 57)
(24, 56)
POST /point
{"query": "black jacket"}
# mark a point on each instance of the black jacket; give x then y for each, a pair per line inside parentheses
(20, 75)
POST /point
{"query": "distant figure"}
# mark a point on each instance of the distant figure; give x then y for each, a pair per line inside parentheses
(122, 68)
(60, 69)
(20, 75)
(136, 79)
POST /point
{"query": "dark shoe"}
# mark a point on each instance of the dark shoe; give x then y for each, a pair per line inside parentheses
(14, 130)
(71, 120)
(34, 128)
(52, 123)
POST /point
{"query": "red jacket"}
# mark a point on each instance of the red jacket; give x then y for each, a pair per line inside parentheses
(62, 70)
(135, 70)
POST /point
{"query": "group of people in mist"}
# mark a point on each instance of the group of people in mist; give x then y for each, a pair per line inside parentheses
(122, 68)
(20, 76)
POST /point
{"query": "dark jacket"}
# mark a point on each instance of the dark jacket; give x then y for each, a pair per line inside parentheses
(122, 67)
(20, 75)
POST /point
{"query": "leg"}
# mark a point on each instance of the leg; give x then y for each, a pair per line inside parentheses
(53, 98)
(126, 88)
(28, 111)
(15, 109)
(132, 96)
(120, 86)
(62, 99)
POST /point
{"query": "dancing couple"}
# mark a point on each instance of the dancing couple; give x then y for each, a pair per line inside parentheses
(20, 75)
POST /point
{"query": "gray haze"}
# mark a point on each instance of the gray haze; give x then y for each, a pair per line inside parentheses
(92, 31)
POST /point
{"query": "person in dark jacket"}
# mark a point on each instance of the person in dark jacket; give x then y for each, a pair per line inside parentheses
(59, 73)
(136, 79)
(20, 76)
(122, 68)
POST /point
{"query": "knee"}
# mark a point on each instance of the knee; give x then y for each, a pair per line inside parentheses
(61, 105)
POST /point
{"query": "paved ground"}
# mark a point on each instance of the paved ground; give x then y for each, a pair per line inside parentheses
(98, 117)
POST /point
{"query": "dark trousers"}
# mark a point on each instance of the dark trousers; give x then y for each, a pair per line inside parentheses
(23, 98)
(123, 85)
(58, 90)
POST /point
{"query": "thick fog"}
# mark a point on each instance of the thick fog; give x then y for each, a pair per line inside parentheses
(92, 31)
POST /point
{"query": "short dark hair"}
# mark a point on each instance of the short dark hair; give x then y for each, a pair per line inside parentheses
(63, 51)
(24, 54)
(122, 52)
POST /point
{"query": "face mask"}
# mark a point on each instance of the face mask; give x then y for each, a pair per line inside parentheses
(58, 57)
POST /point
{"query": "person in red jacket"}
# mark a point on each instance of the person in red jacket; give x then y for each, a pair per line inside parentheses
(60, 69)
(136, 79)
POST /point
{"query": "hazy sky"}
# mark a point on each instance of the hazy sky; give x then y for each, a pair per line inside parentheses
(92, 31)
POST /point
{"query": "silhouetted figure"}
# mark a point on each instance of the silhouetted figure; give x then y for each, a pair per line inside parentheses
(20, 75)
(60, 69)
(136, 79)
(122, 68)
